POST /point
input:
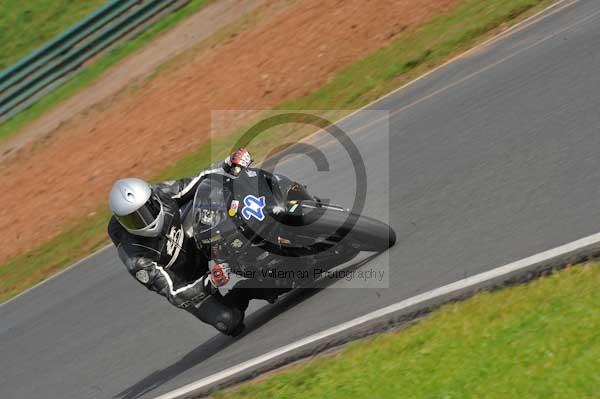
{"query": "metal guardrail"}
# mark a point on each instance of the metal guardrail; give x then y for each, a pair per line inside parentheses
(24, 83)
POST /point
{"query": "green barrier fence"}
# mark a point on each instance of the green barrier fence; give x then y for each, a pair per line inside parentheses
(24, 83)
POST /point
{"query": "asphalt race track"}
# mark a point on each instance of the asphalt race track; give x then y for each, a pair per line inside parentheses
(491, 159)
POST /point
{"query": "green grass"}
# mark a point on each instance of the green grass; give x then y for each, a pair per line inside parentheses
(77, 241)
(409, 55)
(26, 25)
(95, 70)
(414, 52)
(539, 340)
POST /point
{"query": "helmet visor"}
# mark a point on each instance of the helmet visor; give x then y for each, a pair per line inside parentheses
(143, 217)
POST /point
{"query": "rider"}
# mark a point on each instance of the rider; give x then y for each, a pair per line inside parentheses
(148, 232)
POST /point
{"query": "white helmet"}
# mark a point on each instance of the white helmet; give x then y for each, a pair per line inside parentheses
(136, 207)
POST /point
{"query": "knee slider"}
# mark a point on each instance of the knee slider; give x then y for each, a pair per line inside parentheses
(228, 319)
(224, 318)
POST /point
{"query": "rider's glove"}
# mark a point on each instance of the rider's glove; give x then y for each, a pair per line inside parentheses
(219, 274)
(239, 160)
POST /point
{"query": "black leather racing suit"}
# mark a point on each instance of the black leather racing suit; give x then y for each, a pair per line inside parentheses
(171, 265)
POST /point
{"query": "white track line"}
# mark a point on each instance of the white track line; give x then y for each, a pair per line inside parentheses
(552, 9)
(457, 286)
(79, 262)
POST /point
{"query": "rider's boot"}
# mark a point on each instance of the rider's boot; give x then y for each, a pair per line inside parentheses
(227, 319)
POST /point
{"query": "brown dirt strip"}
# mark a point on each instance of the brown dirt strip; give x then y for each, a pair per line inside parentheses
(289, 53)
(136, 68)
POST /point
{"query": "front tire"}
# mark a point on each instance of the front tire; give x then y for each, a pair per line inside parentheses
(361, 232)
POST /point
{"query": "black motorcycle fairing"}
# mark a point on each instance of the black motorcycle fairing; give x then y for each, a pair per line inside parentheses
(284, 226)
(277, 227)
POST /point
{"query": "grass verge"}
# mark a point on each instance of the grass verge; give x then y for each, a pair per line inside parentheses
(409, 55)
(95, 70)
(78, 240)
(538, 340)
(49, 17)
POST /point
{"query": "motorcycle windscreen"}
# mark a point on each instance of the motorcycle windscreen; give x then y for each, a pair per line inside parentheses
(210, 210)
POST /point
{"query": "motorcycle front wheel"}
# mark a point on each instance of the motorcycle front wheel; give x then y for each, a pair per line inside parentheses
(336, 225)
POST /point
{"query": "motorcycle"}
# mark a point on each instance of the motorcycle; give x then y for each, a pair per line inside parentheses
(269, 228)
